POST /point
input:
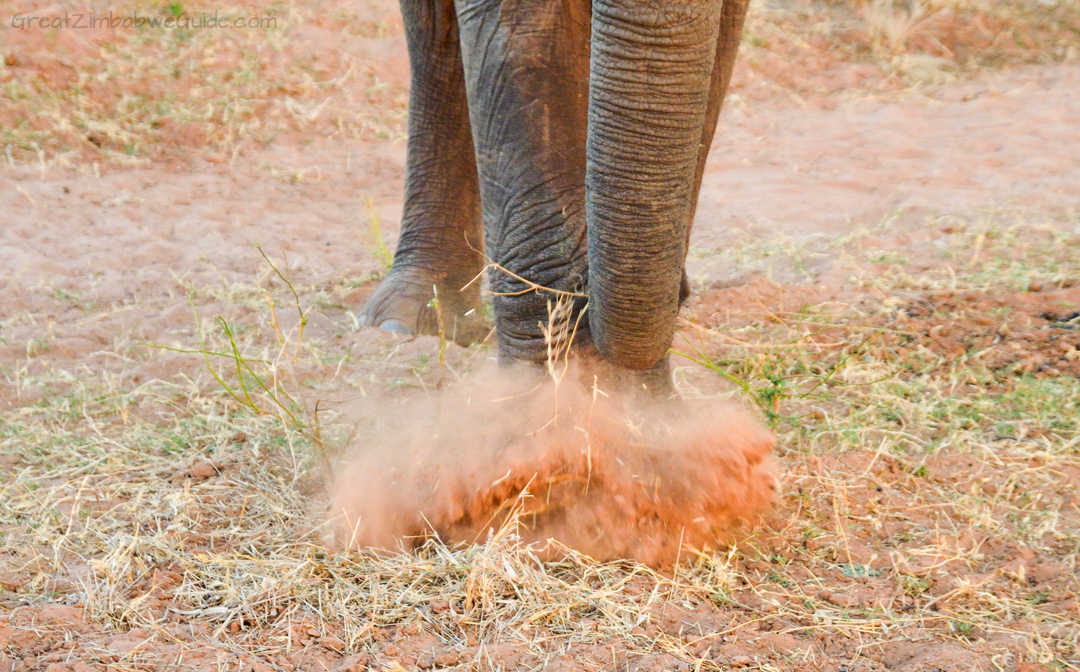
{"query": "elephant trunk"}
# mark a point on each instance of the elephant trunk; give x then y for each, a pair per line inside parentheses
(650, 71)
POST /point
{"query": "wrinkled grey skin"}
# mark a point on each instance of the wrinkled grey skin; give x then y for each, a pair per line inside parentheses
(565, 140)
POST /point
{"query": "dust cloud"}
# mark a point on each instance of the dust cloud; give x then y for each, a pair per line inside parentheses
(611, 476)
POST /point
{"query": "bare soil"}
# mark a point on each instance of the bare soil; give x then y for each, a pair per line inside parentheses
(884, 269)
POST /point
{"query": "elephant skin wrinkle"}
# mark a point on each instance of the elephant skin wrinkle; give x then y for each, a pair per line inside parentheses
(607, 475)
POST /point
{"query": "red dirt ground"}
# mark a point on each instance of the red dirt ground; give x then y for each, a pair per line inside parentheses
(95, 260)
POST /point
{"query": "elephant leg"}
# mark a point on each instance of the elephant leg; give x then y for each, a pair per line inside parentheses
(526, 73)
(441, 238)
(651, 70)
(732, 18)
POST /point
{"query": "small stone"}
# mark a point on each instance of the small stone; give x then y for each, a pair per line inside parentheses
(447, 658)
(331, 642)
(438, 606)
(9, 581)
(741, 660)
(203, 469)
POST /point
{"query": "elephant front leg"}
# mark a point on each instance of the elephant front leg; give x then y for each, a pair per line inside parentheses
(441, 238)
(526, 72)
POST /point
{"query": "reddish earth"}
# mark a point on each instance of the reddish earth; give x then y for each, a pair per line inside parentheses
(135, 238)
(1004, 334)
(96, 261)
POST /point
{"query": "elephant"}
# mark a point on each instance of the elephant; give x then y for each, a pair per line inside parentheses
(558, 144)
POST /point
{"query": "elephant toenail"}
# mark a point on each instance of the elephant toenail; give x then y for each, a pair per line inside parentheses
(395, 325)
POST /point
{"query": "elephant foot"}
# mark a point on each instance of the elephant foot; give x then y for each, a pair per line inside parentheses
(590, 370)
(404, 304)
(652, 385)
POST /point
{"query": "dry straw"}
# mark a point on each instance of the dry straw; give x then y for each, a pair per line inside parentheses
(914, 482)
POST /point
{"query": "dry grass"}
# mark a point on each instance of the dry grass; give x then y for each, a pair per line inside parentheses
(68, 97)
(926, 499)
(878, 46)
(929, 513)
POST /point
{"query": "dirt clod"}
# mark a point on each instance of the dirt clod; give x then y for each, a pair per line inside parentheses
(202, 470)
